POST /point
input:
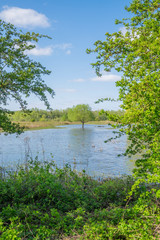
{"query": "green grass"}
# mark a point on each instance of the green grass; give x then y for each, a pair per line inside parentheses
(41, 201)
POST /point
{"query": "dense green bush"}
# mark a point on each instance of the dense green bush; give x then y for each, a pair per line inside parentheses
(41, 201)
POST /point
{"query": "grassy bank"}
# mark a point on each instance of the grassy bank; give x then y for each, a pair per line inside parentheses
(54, 124)
(42, 125)
(41, 201)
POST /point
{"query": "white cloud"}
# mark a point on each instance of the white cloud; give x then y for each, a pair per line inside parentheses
(24, 17)
(38, 51)
(78, 80)
(106, 78)
(47, 51)
(69, 90)
(64, 47)
(68, 52)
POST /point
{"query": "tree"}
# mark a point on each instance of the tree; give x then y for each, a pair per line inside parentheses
(81, 112)
(135, 52)
(20, 76)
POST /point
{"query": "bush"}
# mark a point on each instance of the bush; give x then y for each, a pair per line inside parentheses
(41, 201)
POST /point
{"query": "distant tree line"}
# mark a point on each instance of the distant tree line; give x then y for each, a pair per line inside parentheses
(36, 115)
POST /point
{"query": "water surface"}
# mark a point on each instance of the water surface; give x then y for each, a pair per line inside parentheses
(82, 149)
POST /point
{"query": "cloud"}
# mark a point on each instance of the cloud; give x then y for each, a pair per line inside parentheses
(68, 52)
(24, 17)
(46, 51)
(107, 78)
(64, 47)
(38, 51)
(78, 80)
(69, 90)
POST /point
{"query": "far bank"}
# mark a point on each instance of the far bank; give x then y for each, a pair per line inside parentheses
(53, 124)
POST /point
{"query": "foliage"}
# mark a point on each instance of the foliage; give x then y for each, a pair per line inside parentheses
(41, 201)
(36, 115)
(7, 125)
(81, 112)
(135, 52)
(20, 76)
(111, 115)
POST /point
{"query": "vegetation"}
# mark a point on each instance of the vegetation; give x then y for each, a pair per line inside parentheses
(37, 115)
(81, 112)
(20, 76)
(37, 118)
(41, 201)
(135, 53)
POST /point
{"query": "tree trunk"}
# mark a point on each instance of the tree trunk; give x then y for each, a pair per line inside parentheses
(82, 125)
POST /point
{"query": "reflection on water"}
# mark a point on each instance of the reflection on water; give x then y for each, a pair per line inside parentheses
(82, 149)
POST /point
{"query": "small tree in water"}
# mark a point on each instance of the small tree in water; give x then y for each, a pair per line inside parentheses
(81, 112)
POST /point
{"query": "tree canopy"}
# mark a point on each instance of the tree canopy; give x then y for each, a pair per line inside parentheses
(20, 76)
(135, 53)
(81, 112)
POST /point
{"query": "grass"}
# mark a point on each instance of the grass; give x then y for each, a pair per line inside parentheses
(41, 201)
(101, 122)
(53, 124)
(42, 125)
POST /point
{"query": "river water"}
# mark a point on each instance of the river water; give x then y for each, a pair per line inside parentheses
(81, 149)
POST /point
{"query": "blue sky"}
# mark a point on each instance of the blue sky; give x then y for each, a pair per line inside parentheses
(74, 26)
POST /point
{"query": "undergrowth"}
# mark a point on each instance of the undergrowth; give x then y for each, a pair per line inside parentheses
(41, 201)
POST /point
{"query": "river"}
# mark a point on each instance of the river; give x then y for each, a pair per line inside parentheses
(69, 144)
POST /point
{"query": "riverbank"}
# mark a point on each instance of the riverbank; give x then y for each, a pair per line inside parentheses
(41, 201)
(53, 124)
